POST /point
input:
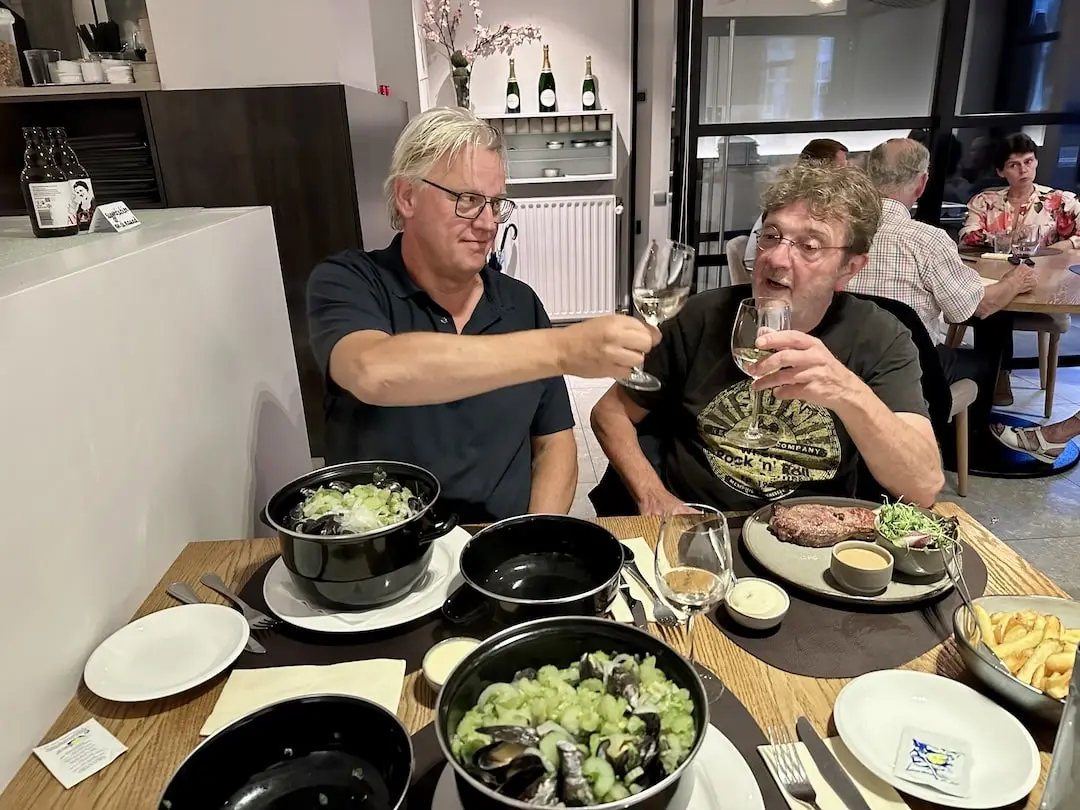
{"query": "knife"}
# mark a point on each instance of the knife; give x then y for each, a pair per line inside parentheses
(830, 768)
(182, 592)
(637, 610)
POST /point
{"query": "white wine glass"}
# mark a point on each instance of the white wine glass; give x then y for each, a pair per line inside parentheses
(694, 570)
(756, 316)
(1025, 244)
(661, 286)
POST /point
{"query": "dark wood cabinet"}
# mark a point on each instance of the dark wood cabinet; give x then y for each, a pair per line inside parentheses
(316, 154)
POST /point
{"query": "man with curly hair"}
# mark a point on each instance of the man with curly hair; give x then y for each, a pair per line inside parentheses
(842, 385)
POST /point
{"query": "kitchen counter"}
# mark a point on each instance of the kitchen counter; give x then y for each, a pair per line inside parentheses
(150, 398)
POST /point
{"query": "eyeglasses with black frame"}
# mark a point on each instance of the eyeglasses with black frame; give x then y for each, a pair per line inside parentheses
(469, 204)
(808, 248)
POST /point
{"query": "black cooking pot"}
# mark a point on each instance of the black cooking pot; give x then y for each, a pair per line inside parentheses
(561, 641)
(534, 566)
(332, 752)
(366, 569)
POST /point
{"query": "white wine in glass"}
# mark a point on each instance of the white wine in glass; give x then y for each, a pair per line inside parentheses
(755, 317)
(694, 569)
(661, 286)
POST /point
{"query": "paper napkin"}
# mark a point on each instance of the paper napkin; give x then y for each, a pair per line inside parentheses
(1000, 256)
(878, 794)
(380, 680)
(645, 559)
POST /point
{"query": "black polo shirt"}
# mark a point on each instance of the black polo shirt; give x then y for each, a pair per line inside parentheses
(479, 448)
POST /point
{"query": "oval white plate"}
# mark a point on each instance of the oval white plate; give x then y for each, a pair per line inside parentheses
(722, 781)
(166, 653)
(288, 604)
(808, 568)
(872, 711)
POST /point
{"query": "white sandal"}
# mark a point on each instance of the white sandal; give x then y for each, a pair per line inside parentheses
(1017, 439)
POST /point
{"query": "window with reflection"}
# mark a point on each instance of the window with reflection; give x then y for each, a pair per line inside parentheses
(1020, 57)
(798, 60)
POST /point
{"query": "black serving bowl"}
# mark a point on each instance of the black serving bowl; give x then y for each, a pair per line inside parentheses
(359, 570)
(536, 566)
(560, 641)
(333, 752)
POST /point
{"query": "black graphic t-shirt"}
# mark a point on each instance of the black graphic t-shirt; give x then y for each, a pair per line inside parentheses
(704, 395)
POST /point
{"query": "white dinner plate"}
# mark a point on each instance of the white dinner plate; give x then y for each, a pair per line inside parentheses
(808, 568)
(287, 603)
(722, 780)
(166, 653)
(873, 710)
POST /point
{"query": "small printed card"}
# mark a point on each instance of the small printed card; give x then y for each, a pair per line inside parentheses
(113, 217)
(929, 758)
(80, 753)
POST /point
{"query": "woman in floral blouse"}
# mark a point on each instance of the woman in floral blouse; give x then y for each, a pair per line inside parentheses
(1023, 202)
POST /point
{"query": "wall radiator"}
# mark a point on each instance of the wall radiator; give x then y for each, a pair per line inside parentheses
(566, 251)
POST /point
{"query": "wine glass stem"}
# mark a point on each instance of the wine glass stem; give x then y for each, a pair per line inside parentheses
(754, 429)
(691, 628)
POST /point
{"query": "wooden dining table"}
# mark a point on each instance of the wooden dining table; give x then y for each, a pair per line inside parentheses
(159, 734)
(1057, 291)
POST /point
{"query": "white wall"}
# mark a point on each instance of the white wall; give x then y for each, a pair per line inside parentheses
(150, 399)
(393, 38)
(574, 29)
(656, 56)
(252, 43)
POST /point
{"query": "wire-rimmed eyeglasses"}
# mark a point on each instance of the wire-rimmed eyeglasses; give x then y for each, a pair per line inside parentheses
(469, 204)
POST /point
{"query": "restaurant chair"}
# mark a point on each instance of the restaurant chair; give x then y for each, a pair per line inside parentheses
(1049, 328)
(946, 403)
(736, 251)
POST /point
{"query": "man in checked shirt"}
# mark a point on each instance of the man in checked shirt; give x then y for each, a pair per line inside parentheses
(919, 265)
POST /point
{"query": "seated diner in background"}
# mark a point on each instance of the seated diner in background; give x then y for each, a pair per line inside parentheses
(918, 265)
(433, 358)
(820, 150)
(1023, 202)
(842, 385)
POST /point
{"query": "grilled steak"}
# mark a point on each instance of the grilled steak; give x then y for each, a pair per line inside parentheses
(815, 525)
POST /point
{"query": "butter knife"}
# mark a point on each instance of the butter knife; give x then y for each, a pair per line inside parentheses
(182, 592)
(637, 610)
(830, 768)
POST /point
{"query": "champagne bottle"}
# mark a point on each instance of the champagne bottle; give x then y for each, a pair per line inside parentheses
(513, 92)
(548, 101)
(588, 88)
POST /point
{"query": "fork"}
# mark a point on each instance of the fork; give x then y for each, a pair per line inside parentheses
(664, 615)
(256, 619)
(789, 767)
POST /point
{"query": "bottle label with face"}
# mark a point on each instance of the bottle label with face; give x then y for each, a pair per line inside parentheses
(512, 102)
(54, 204)
(547, 98)
(82, 190)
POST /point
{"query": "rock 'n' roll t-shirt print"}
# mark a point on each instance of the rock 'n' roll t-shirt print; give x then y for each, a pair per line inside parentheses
(808, 450)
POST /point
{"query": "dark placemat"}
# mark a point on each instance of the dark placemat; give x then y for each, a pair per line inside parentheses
(291, 646)
(727, 714)
(820, 638)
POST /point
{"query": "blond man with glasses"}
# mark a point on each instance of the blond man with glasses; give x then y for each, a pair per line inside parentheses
(434, 358)
(842, 386)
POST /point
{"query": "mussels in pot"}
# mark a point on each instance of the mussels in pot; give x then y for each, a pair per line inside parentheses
(599, 730)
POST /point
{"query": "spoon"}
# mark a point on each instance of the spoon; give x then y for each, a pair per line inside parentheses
(661, 612)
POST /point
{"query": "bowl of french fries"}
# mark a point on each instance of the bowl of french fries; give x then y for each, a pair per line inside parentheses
(1035, 637)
